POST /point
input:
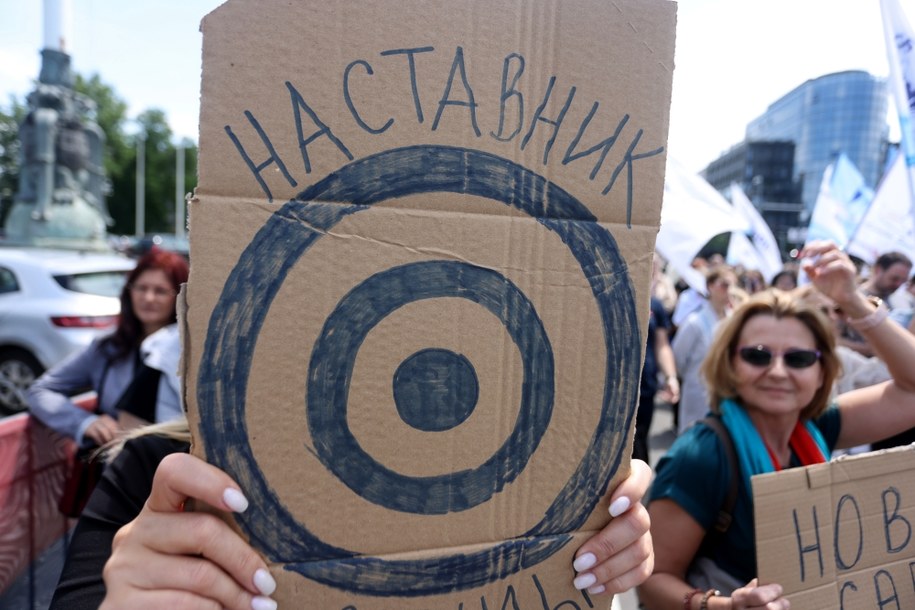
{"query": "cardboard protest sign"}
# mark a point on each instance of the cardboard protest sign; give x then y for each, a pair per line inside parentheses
(421, 245)
(839, 535)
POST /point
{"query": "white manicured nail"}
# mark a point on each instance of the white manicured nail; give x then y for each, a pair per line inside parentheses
(584, 562)
(619, 506)
(263, 603)
(264, 582)
(597, 589)
(235, 500)
(584, 581)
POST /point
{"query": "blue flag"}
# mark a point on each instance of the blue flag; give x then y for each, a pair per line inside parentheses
(842, 203)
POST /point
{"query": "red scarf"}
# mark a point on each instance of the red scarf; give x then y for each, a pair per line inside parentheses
(803, 445)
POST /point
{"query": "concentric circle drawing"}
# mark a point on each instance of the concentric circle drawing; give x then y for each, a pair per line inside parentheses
(283, 242)
(332, 362)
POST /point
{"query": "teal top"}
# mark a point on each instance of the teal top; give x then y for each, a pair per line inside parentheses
(695, 474)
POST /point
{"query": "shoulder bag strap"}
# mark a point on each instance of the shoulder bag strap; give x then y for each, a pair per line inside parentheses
(726, 513)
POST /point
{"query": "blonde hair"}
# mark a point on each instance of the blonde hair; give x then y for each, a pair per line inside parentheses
(177, 430)
(718, 367)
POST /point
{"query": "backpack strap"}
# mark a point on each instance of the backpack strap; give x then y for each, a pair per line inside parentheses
(726, 513)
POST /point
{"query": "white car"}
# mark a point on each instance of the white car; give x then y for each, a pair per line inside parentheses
(52, 303)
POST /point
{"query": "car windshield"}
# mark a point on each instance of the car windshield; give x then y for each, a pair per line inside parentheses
(102, 283)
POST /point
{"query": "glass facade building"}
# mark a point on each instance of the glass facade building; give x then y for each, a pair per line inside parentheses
(836, 113)
(765, 172)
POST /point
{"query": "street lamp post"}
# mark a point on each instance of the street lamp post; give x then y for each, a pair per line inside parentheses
(140, 225)
(179, 189)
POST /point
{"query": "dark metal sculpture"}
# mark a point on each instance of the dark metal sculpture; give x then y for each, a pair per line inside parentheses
(61, 197)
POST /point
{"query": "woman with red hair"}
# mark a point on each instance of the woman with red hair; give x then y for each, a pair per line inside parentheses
(109, 365)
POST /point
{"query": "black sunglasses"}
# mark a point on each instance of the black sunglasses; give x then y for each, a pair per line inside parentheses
(760, 355)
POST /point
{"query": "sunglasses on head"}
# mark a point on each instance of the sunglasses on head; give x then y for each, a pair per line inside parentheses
(760, 355)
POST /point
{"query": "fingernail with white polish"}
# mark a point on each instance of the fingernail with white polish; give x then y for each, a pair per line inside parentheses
(264, 582)
(619, 506)
(597, 589)
(584, 562)
(584, 581)
(263, 603)
(235, 500)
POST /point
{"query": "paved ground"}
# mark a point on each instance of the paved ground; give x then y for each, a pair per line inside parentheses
(662, 435)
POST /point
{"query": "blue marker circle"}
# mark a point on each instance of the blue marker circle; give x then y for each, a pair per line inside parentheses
(255, 280)
(435, 390)
(331, 368)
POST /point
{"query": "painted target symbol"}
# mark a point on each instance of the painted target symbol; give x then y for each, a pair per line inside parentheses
(245, 302)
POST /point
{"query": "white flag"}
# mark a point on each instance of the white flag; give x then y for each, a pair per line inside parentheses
(693, 212)
(900, 50)
(888, 224)
(741, 251)
(841, 203)
(768, 258)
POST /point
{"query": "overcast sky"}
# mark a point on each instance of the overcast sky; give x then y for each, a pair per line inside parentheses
(733, 57)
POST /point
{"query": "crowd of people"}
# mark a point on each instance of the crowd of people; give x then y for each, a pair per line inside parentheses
(792, 375)
(796, 375)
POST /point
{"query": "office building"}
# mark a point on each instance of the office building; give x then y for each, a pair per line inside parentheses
(764, 170)
(781, 161)
(837, 113)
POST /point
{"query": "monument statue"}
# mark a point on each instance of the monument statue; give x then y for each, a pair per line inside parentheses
(60, 201)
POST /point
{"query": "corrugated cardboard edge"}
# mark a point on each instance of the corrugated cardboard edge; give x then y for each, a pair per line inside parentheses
(184, 338)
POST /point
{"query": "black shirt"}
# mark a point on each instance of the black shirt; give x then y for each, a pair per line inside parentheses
(116, 501)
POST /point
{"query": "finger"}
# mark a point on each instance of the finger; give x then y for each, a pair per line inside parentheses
(181, 476)
(831, 259)
(621, 571)
(632, 488)
(206, 536)
(110, 429)
(103, 429)
(617, 535)
(765, 594)
(197, 576)
(624, 543)
(92, 434)
(817, 247)
(628, 525)
(98, 433)
(123, 597)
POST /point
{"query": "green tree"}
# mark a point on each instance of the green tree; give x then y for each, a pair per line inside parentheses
(120, 155)
(10, 118)
(121, 160)
(161, 156)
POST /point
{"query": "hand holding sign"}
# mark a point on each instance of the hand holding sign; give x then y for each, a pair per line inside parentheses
(756, 596)
(620, 556)
(167, 557)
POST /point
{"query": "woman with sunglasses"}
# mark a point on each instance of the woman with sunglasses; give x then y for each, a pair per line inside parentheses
(770, 371)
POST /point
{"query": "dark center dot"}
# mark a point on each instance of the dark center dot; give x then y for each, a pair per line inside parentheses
(435, 390)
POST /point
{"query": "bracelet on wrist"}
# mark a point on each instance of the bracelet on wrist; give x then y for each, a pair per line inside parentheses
(688, 598)
(707, 596)
(872, 319)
